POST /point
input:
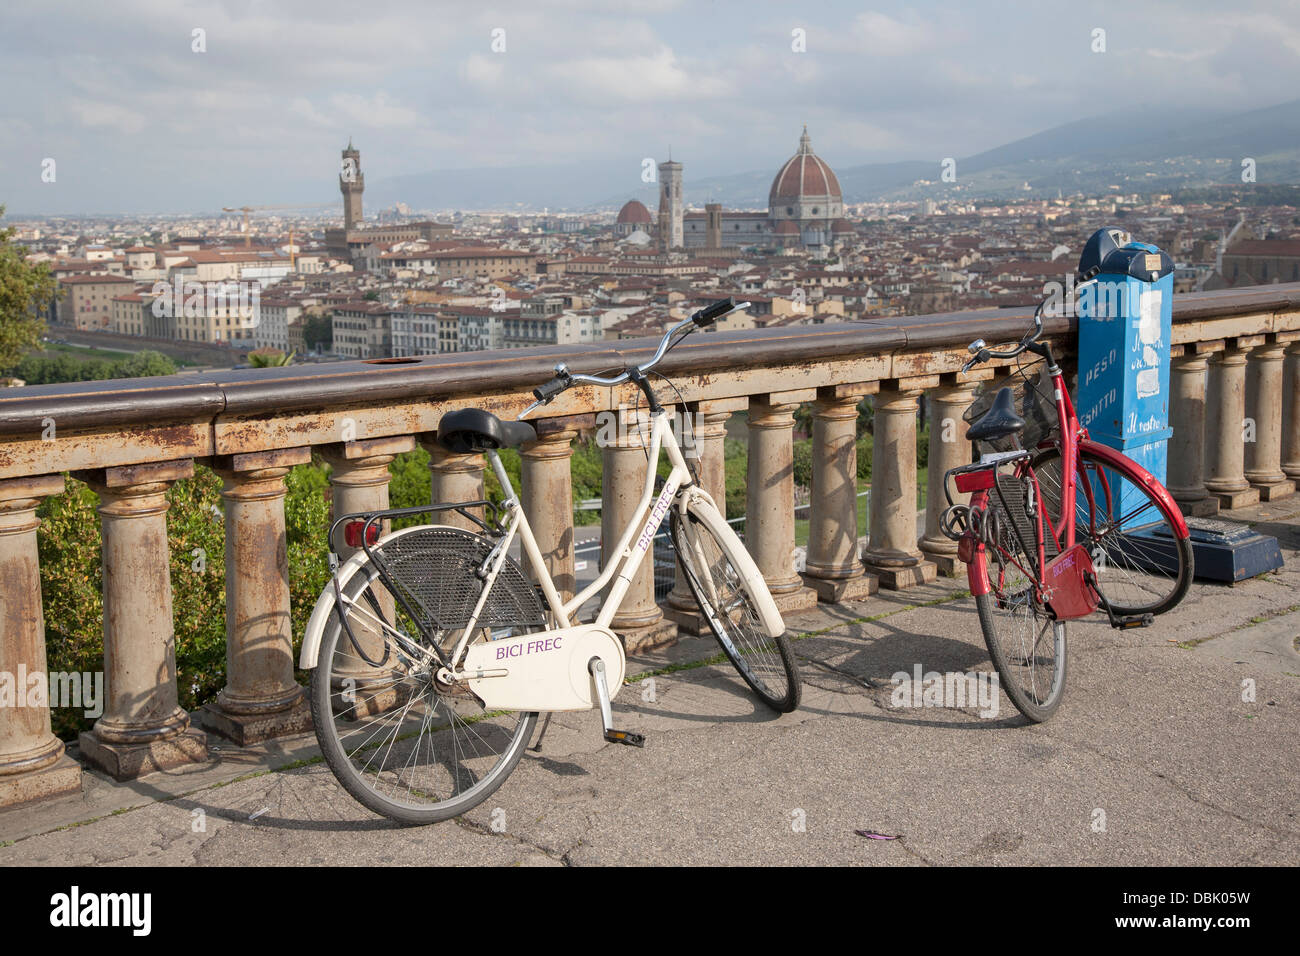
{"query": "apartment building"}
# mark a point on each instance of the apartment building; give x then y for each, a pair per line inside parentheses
(486, 262)
(544, 320)
(87, 302)
(224, 314)
(128, 311)
(478, 328)
(363, 330)
(416, 331)
(274, 318)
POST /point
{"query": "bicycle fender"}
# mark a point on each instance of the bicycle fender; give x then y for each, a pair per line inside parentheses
(971, 551)
(701, 505)
(546, 671)
(1120, 462)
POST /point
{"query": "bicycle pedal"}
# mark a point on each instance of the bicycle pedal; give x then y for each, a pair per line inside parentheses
(1140, 620)
(625, 737)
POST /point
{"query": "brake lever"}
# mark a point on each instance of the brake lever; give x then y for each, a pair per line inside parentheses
(537, 404)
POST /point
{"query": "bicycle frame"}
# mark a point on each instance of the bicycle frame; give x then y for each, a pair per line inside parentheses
(650, 511)
(1072, 441)
(1070, 436)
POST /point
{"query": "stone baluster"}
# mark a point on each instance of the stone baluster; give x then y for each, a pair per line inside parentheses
(833, 567)
(948, 449)
(1225, 424)
(708, 435)
(1291, 406)
(261, 699)
(455, 478)
(33, 764)
(1187, 415)
(547, 495)
(769, 518)
(639, 622)
(359, 483)
(143, 728)
(891, 552)
(1263, 459)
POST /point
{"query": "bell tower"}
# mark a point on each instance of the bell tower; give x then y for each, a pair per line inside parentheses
(352, 182)
(670, 206)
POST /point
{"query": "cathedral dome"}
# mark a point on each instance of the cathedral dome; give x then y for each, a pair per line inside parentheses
(804, 178)
(634, 213)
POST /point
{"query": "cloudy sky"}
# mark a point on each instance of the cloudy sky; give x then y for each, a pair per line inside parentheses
(136, 120)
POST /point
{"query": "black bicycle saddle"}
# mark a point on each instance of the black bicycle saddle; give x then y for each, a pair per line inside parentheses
(472, 430)
(1000, 420)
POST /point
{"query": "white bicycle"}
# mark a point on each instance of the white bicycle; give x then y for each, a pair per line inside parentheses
(433, 654)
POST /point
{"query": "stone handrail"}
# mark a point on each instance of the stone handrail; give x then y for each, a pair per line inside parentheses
(1235, 357)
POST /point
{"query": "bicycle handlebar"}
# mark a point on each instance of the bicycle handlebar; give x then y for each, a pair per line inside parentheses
(710, 314)
(983, 353)
(564, 379)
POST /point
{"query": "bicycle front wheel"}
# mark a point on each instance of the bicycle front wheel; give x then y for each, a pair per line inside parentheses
(741, 615)
(401, 742)
(1027, 645)
(1143, 565)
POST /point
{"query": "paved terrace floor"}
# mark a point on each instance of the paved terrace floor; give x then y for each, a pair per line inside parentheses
(1153, 733)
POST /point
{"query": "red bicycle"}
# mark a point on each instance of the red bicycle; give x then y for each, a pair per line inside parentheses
(1056, 527)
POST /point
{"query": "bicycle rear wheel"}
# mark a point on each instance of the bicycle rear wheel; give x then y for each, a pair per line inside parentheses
(401, 742)
(726, 584)
(1027, 646)
(1143, 565)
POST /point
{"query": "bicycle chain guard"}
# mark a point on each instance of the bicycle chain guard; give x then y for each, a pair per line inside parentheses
(544, 671)
(1067, 584)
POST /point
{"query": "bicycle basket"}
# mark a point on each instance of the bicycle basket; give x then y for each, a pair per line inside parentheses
(1033, 398)
(433, 571)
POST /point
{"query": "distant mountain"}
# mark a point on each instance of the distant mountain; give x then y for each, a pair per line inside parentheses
(1138, 149)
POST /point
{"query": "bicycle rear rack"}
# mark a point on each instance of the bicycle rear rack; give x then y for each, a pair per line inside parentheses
(492, 526)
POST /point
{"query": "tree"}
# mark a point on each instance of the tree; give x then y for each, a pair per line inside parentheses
(318, 332)
(269, 358)
(143, 364)
(26, 291)
(46, 369)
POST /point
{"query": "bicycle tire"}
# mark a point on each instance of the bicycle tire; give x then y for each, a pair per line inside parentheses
(765, 661)
(1009, 612)
(1125, 561)
(360, 704)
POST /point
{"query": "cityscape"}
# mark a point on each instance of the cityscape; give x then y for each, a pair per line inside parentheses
(711, 434)
(395, 284)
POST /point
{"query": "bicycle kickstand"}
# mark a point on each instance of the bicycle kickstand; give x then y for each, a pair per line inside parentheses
(1116, 621)
(597, 668)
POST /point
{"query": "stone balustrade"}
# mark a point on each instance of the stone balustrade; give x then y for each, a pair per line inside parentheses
(1235, 407)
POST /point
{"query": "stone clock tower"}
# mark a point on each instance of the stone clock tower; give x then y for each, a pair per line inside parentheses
(352, 182)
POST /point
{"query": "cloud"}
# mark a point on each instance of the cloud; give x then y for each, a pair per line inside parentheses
(379, 111)
(484, 71)
(875, 34)
(265, 110)
(101, 115)
(636, 78)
